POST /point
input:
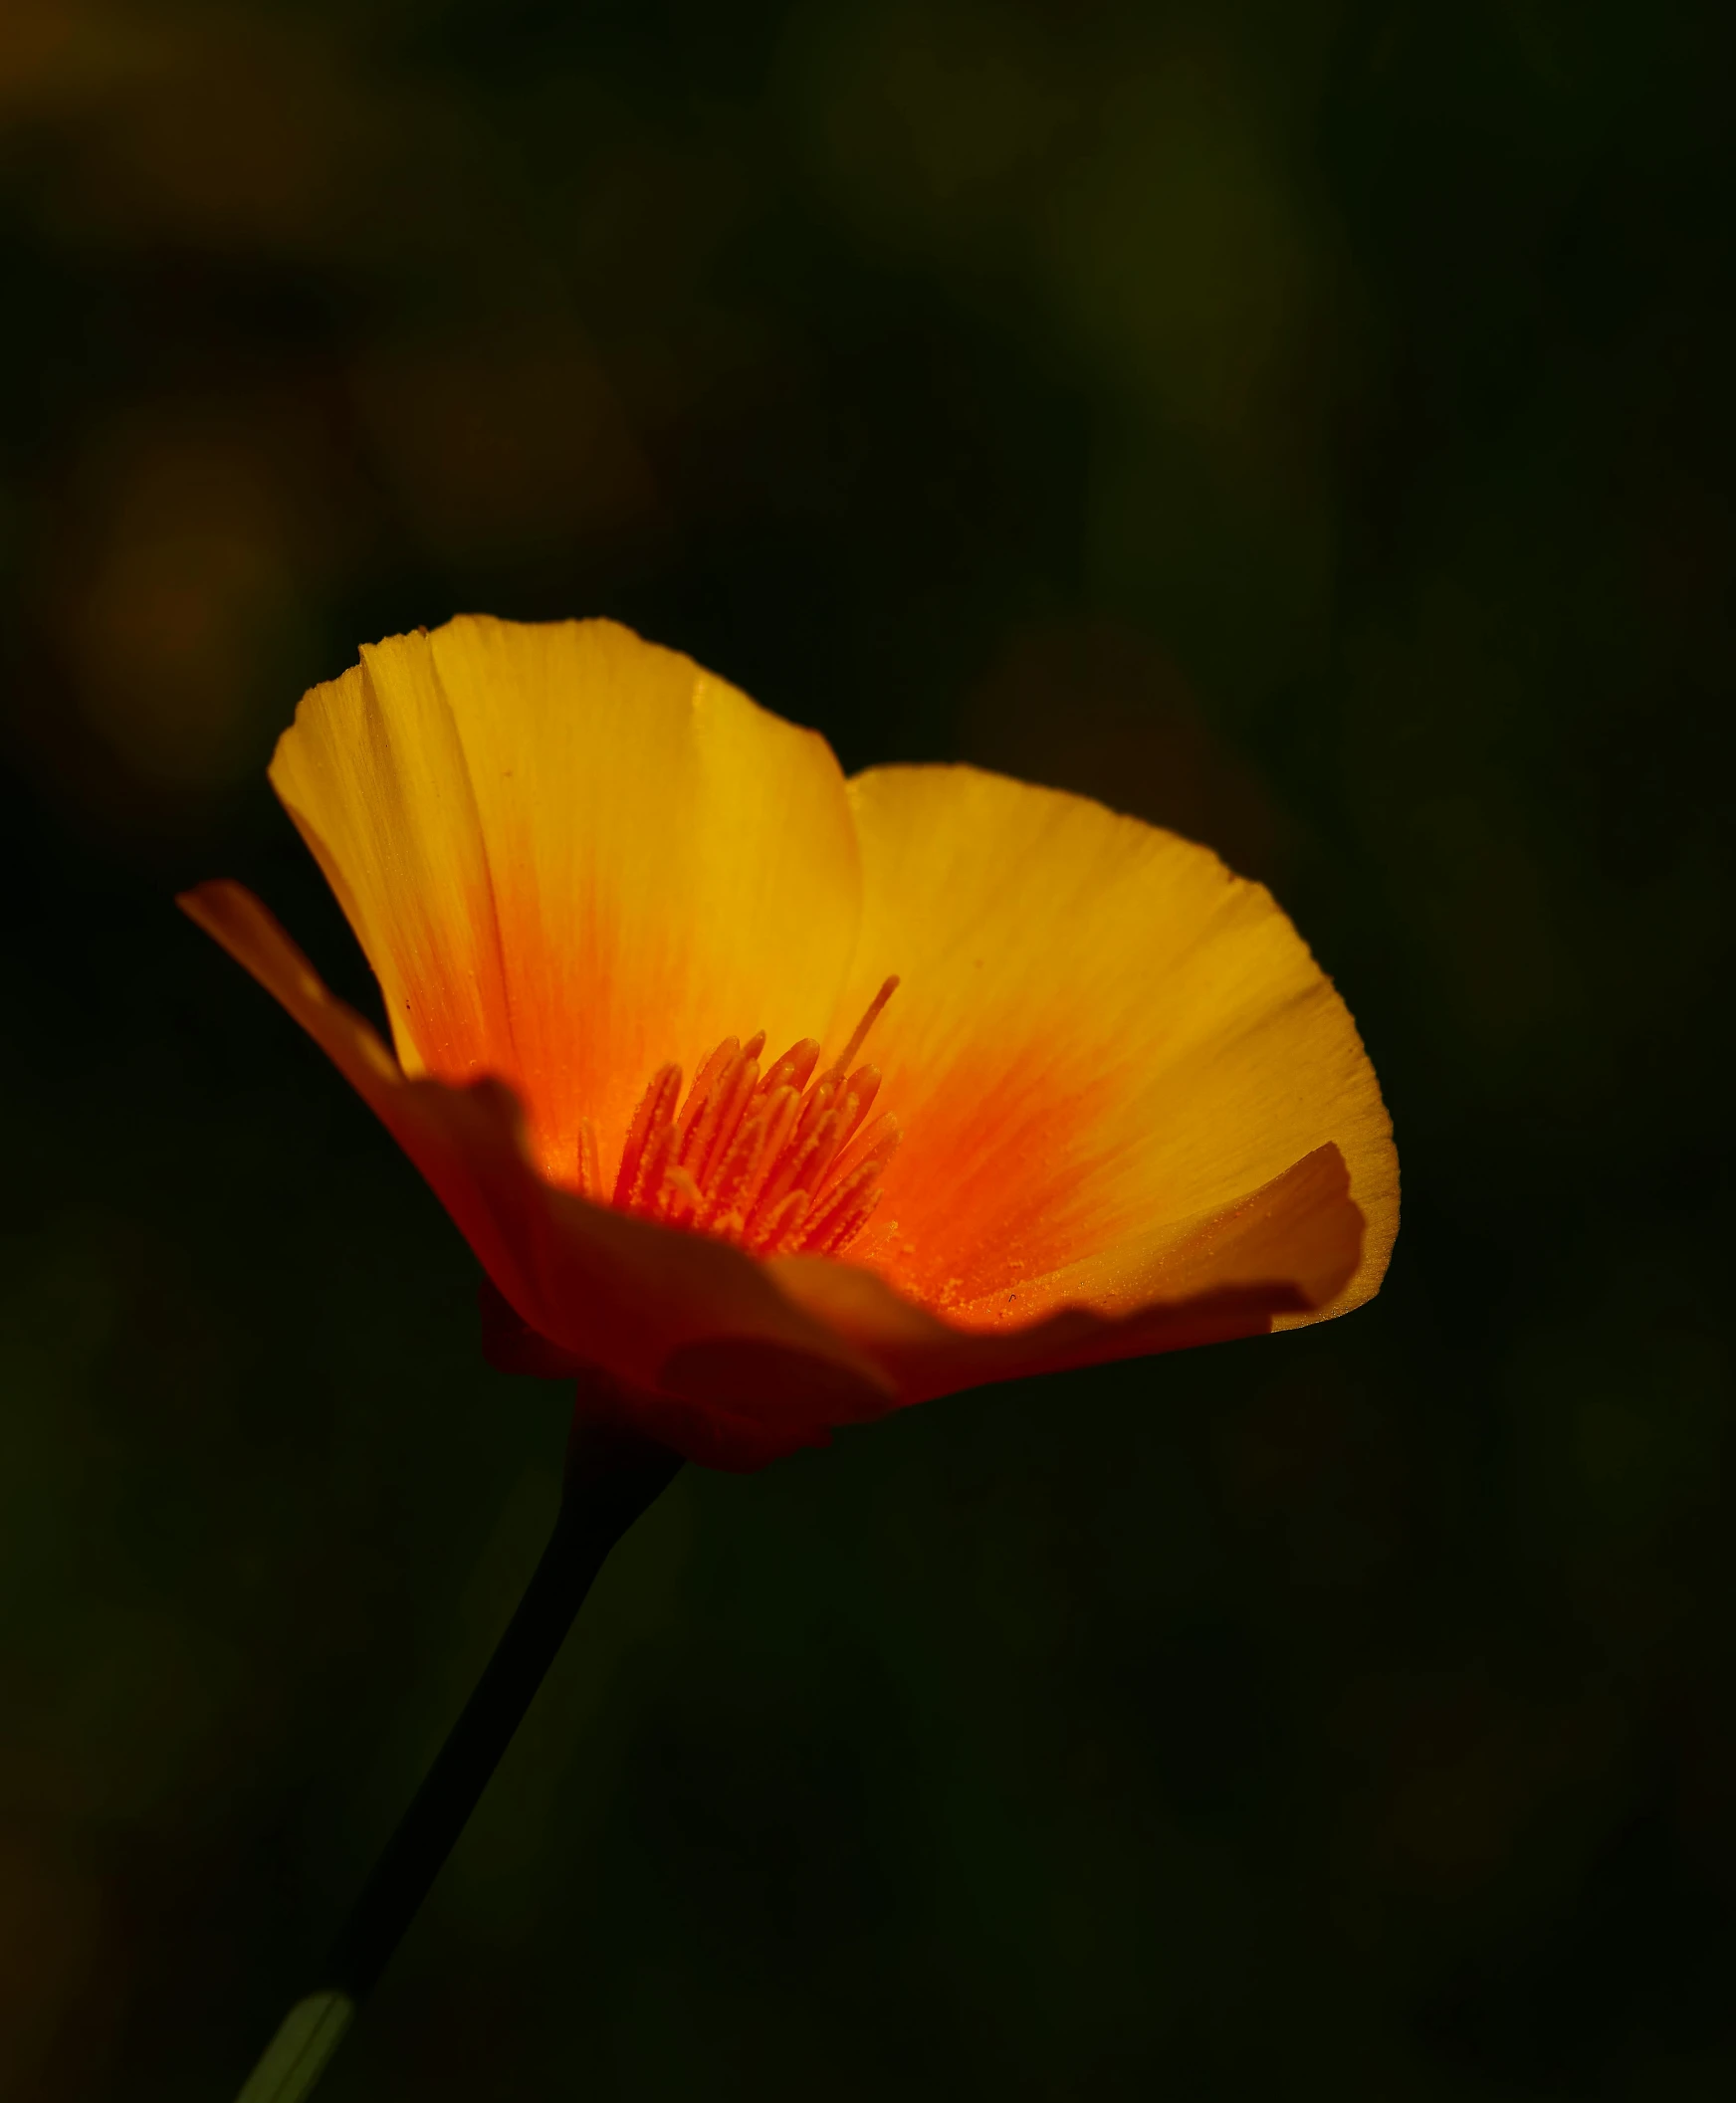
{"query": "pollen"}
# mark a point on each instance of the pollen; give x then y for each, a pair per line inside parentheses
(779, 1160)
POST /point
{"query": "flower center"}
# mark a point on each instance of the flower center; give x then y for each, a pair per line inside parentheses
(767, 1161)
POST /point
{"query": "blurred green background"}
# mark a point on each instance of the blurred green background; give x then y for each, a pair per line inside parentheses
(1301, 422)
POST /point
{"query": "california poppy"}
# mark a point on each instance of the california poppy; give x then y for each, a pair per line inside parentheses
(771, 1100)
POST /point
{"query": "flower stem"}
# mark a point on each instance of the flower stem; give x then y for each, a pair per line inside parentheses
(611, 1477)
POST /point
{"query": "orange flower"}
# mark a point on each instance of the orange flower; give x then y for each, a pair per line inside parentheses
(1058, 1087)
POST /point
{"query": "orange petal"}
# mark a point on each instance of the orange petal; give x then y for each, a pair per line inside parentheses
(1285, 1252)
(570, 857)
(1101, 1040)
(656, 1309)
(731, 1403)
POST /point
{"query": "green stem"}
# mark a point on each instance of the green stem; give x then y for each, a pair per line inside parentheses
(611, 1477)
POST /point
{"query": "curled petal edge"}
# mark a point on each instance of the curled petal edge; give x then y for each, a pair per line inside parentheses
(729, 1360)
(1287, 1248)
(1226, 1278)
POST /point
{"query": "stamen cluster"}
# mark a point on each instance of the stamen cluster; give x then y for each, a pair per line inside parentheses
(765, 1160)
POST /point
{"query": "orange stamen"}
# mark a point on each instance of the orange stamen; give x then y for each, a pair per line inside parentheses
(651, 1185)
(781, 1226)
(656, 1106)
(778, 1162)
(590, 1167)
(792, 1070)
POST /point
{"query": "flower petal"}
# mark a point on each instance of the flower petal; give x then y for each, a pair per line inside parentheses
(610, 1291)
(733, 1404)
(570, 857)
(1283, 1253)
(1101, 1039)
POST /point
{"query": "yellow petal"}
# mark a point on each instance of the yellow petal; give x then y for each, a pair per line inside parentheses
(570, 857)
(612, 1291)
(1102, 1040)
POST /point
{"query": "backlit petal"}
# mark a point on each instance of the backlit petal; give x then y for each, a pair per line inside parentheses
(659, 1311)
(571, 856)
(1100, 1042)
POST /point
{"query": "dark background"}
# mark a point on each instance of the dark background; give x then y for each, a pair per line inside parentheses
(1305, 424)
